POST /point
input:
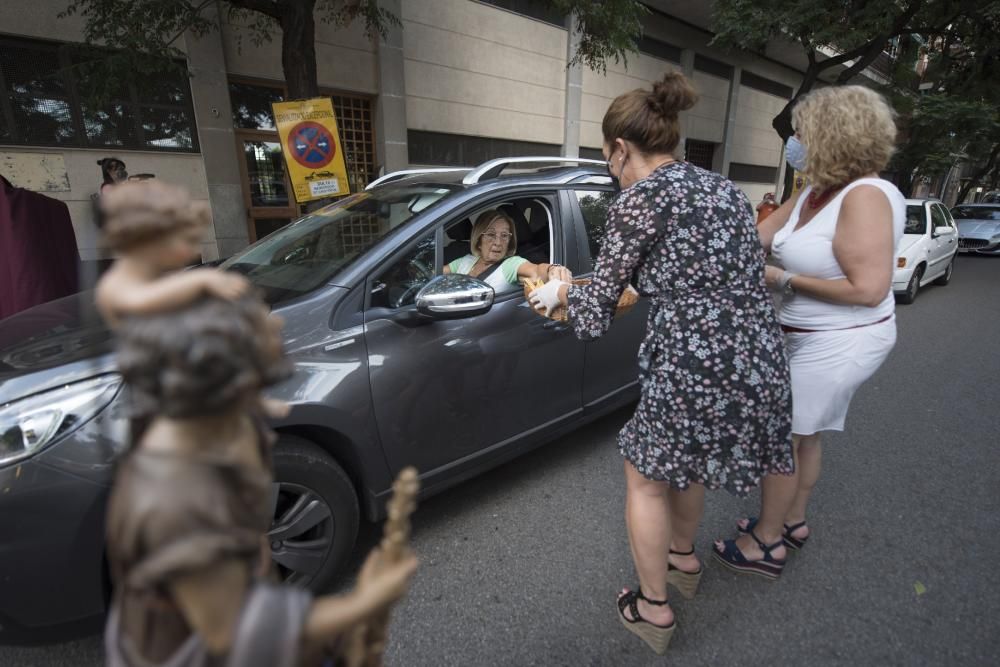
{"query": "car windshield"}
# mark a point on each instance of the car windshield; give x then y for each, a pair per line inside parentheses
(916, 223)
(309, 252)
(977, 212)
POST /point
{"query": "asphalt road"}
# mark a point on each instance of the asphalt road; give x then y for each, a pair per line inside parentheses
(521, 565)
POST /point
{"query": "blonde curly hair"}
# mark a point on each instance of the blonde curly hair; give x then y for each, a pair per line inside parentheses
(146, 211)
(848, 131)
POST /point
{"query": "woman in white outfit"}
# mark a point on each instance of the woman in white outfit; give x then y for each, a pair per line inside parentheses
(836, 243)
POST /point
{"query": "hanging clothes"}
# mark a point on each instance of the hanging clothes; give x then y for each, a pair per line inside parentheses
(39, 259)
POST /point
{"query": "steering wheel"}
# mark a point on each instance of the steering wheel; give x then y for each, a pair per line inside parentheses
(422, 273)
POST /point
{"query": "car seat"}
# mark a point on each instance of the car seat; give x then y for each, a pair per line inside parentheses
(460, 235)
(534, 246)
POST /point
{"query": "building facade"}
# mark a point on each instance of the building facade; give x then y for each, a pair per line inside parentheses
(459, 82)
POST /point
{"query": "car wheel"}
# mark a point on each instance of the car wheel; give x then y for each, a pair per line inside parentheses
(912, 287)
(945, 277)
(315, 514)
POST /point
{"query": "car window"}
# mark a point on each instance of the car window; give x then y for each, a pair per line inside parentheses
(938, 218)
(309, 252)
(594, 208)
(532, 222)
(977, 212)
(397, 285)
(916, 223)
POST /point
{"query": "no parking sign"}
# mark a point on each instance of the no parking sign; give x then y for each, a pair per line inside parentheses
(311, 145)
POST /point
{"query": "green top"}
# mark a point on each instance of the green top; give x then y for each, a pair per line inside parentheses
(499, 280)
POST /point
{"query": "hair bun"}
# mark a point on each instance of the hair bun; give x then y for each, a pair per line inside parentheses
(671, 95)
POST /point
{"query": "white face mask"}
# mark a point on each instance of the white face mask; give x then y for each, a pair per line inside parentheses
(795, 153)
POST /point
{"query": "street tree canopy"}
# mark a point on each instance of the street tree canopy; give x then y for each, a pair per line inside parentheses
(950, 109)
(853, 32)
(140, 36)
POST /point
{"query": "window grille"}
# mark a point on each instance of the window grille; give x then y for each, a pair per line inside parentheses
(45, 101)
(700, 153)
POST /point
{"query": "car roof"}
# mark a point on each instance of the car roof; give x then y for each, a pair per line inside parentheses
(502, 171)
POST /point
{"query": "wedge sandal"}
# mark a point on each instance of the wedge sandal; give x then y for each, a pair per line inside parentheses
(790, 540)
(768, 566)
(685, 582)
(656, 636)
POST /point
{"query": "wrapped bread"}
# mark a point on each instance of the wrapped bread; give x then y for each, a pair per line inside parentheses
(628, 298)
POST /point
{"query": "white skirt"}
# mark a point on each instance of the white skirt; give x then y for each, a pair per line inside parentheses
(827, 367)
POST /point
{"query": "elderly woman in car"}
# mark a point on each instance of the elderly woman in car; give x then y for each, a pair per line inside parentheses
(492, 257)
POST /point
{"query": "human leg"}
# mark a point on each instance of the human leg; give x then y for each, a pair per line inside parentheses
(686, 508)
(777, 495)
(808, 464)
(648, 519)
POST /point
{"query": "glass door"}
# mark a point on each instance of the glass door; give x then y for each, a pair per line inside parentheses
(267, 192)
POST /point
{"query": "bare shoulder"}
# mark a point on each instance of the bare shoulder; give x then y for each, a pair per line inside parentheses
(865, 202)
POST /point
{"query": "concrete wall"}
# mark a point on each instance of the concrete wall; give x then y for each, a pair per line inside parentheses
(474, 69)
(84, 177)
(345, 58)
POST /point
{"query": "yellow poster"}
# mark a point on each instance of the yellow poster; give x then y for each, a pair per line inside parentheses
(311, 145)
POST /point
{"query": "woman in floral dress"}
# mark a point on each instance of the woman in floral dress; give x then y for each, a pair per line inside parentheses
(715, 410)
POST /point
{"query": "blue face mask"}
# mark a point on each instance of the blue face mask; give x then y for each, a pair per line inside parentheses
(795, 153)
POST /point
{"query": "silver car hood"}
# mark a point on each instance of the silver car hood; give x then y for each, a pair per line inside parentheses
(978, 229)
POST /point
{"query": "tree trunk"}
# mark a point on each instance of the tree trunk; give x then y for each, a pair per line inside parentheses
(298, 49)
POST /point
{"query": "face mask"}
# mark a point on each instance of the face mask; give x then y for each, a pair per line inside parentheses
(795, 154)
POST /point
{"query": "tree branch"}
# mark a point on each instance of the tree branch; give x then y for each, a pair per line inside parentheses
(266, 7)
(194, 12)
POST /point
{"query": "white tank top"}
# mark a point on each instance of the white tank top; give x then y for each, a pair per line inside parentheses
(809, 251)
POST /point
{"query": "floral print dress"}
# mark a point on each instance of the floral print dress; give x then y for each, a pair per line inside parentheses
(716, 399)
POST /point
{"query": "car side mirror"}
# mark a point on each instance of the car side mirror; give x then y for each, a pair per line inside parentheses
(938, 231)
(454, 296)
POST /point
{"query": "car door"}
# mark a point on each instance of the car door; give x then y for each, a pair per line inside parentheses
(941, 245)
(448, 393)
(611, 365)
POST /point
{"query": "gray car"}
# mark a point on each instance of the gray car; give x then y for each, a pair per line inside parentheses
(978, 228)
(395, 365)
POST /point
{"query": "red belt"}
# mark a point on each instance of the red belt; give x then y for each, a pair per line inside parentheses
(788, 329)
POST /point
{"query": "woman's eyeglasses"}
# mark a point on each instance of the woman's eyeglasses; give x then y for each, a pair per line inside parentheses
(494, 236)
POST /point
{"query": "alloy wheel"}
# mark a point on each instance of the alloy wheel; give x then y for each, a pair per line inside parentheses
(301, 533)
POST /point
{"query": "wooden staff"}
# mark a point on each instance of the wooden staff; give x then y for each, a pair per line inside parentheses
(367, 642)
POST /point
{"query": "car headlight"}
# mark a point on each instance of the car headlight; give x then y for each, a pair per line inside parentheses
(28, 425)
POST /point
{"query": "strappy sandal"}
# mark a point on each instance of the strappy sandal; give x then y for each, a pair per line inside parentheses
(657, 636)
(790, 540)
(768, 566)
(685, 582)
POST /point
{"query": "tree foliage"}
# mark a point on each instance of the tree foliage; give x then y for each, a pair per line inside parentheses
(954, 117)
(841, 36)
(130, 38)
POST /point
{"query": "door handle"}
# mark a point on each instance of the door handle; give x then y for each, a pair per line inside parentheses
(555, 325)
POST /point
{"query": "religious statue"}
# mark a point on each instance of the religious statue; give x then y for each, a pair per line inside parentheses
(190, 504)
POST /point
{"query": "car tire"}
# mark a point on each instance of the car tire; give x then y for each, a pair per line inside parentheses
(945, 277)
(912, 287)
(316, 514)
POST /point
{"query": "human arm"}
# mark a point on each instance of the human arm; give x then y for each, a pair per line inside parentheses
(863, 246)
(379, 586)
(129, 297)
(544, 271)
(632, 229)
(774, 222)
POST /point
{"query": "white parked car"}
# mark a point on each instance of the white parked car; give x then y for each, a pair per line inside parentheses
(927, 251)
(978, 228)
